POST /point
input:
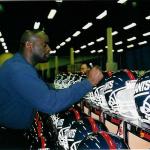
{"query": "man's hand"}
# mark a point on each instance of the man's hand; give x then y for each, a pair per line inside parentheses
(95, 75)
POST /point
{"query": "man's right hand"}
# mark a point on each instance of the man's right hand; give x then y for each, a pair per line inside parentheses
(95, 75)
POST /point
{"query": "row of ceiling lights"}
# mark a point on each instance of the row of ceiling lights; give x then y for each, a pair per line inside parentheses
(119, 50)
(51, 15)
(88, 25)
(102, 15)
(2, 41)
(117, 43)
(85, 27)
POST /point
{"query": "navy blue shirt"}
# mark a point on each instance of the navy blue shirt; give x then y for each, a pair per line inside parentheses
(22, 92)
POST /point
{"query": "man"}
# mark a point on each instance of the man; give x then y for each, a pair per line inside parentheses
(22, 92)
(84, 68)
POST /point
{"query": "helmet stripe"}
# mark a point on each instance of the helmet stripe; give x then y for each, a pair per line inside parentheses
(130, 74)
(93, 124)
(76, 113)
(108, 139)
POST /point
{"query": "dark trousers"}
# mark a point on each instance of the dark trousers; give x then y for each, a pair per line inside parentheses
(12, 139)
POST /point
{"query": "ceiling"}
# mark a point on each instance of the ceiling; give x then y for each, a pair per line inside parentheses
(71, 16)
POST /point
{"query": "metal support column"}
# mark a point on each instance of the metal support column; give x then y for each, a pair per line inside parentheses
(110, 65)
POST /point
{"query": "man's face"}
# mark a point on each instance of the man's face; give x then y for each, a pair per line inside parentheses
(84, 68)
(41, 49)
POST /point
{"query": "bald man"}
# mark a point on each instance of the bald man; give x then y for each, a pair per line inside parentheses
(22, 92)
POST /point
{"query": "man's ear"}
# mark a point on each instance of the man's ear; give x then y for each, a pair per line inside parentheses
(28, 44)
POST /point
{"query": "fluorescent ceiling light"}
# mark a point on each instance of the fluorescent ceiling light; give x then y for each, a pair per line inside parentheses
(1, 39)
(99, 51)
(129, 46)
(0, 34)
(3, 44)
(118, 43)
(91, 43)
(76, 33)
(131, 39)
(89, 24)
(129, 26)
(147, 18)
(52, 13)
(5, 47)
(143, 42)
(115, 32)
(102, 15)
(59, 1)
(100, 39)
(52, 52)
(77, 51)
(120, 50)
(93, 51)
(6, 51)
(82, 47)
(68, 39)
(58, 47)
(36, 25)
(62, 44)
(121, 1)
(146, 34)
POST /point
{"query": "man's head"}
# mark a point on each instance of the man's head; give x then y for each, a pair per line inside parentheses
(34, 46)
(84, 68)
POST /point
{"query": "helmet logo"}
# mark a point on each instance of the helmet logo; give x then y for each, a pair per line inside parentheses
(108, 86)
(142, 86)
(113, 100)
(70, 133)
(145, 109)
(60, 123)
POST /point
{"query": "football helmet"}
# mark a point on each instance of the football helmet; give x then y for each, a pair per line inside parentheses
(64, 123)
(59, 81)
(75, 78)
(79, 130)
(142, 97)
(96, 97)
(65, 80)
(90, 97)
(102, 140)
(66, 118)
(119, 90)
(99, 92)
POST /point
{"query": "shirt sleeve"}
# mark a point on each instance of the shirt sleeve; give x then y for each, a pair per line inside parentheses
(33, 90)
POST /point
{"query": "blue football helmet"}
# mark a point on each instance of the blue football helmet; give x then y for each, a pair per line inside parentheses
(78, 130)
(102, 140)
(142, 97)
(100, 99)
(120, 82)
(96, 98)
(65, 119)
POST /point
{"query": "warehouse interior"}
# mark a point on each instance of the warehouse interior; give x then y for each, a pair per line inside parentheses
(111, 34)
